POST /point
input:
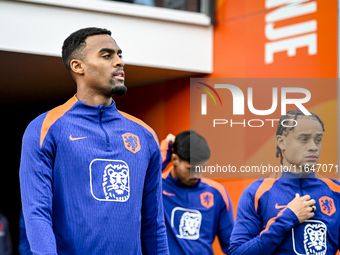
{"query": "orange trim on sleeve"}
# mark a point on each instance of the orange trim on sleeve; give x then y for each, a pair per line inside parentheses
(53, 115)
(265, 186)
(138, 121)
(166, 173)
(219, 187)
(333, 186)
(164, 149)
(272, 220)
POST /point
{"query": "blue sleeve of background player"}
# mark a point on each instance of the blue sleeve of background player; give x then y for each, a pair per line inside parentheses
(154, 239)
(225, 225)
(249, 237)
(166, 152)
(36, 189)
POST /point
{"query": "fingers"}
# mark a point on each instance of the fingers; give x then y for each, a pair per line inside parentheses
(303, 207)
(313, 208)
(170, 138)
(310, 202)
(307, 199)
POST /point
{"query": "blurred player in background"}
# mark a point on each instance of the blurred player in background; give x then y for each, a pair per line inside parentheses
(5, 237)
(196, 209)
(297, 212)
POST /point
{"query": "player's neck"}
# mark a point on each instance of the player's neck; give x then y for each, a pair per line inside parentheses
(94, 100)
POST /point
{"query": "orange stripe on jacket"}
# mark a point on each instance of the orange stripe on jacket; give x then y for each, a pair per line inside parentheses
(333, 186)
(166, 173)
(219, 187)
(265, 186)
(53, 115)
(164, 149)
(138, 121)
(272, 220)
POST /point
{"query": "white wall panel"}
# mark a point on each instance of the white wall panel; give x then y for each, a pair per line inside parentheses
(148, 36)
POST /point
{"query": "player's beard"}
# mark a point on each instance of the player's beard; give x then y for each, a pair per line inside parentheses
(119, 90)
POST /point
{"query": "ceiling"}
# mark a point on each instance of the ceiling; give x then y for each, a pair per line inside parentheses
(31, 79)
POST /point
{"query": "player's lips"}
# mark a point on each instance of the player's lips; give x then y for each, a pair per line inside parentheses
(194, 180)
(312, 157)
(119, 75)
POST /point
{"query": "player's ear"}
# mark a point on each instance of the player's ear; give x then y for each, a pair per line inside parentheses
(174, 158)
(281, 141)
(77, 66)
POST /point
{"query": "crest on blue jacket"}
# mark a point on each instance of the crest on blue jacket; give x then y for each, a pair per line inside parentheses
(186, 223)
(110, 180)
(131, 142)
(310, 238)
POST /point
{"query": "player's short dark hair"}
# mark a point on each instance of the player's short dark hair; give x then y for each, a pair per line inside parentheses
(74, 44)
(284, 130)
(191, 147)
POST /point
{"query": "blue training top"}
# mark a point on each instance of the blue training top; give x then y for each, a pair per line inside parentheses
(265, 225)
(195, 215)
(91, 183)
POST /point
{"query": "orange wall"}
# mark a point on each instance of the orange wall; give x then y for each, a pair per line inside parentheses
(165, 107)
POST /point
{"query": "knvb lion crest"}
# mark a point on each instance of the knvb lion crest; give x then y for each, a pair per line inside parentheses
(327, 205)
(315, 239)
(116, 185)
(186, 223)
(207, 199)
(189, 227)
(131, 142)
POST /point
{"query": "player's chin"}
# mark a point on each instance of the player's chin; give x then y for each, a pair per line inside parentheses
(119, 90)
(192, 182)
(309, 166)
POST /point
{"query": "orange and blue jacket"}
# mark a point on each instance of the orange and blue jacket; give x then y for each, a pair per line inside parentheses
(264, 225)
(91, 183)
(195, 215)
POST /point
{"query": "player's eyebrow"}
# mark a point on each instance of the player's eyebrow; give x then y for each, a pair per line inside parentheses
(109, 50)
(309, 134)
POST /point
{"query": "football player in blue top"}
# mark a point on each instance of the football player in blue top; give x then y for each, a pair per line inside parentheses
(90, 175)
(296, 211)
(196, 209)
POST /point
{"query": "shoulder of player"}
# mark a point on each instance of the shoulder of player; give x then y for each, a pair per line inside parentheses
(213, 186)
(258, 188)
(149, 132)
(332, 184)
(42, 124)
(218, 190)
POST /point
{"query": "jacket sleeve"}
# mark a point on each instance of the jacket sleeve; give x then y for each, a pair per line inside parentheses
(250, 237)
(24, 247)
(225, 225)
(166, 151)
(154, 239)
(36, 189)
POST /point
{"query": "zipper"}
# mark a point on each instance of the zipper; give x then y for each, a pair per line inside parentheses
(301, 189)
(107, 139)
(186, 197)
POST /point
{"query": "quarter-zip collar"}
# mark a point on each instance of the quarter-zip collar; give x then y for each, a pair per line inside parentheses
(298, 175)
(107, 113)
(178, 183)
